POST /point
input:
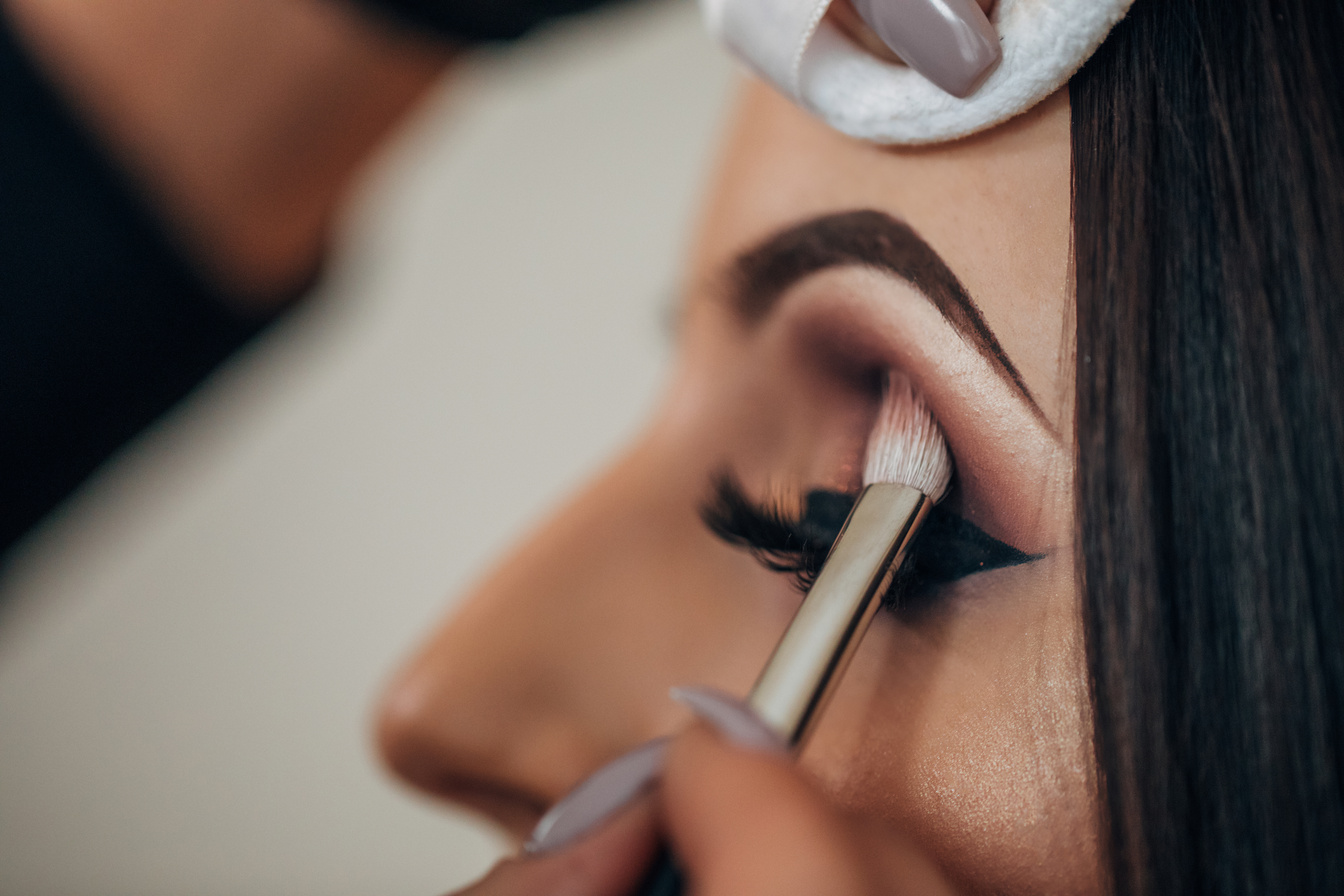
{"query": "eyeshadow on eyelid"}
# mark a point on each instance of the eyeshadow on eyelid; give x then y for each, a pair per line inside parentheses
(759, 276)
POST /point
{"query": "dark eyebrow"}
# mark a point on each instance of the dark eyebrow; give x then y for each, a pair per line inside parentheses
(761, 274)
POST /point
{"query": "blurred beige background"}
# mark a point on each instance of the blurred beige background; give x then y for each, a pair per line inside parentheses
(188, 655)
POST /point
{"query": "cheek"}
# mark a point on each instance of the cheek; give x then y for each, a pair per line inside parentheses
(968, 728)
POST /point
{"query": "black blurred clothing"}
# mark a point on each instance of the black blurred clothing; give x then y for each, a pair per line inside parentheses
(481, 20)
(104, 323)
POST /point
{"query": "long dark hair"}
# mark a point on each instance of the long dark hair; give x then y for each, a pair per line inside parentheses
(1209, 251)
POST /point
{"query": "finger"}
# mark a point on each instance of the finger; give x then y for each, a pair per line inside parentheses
(950, 42)
(745, 822)
(607, 862)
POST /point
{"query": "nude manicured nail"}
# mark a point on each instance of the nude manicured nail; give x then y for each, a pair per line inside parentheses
(731, 718)
(601, 795)
(950, 42)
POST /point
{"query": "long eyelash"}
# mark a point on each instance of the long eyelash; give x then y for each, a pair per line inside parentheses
(778, 540)
(948, 547)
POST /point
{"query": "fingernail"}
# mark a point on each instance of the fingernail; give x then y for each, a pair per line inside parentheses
(601, 795)
(731, 718)
(950, 42)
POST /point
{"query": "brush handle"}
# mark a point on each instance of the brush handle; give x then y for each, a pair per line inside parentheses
(663, 878)
(811, 657)
(817, 646)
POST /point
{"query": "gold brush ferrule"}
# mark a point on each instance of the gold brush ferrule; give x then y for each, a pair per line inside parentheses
(819, 642)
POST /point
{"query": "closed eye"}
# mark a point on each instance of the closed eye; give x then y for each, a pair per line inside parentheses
(947, 548)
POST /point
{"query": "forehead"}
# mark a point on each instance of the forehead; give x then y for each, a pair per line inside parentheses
(994, 206)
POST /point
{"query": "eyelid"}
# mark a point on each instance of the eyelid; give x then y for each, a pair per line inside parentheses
(868, 238)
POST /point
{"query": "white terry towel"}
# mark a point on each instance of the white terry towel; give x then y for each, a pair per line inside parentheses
(792, 45)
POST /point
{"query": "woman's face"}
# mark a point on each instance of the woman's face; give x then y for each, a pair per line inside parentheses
(964, 718)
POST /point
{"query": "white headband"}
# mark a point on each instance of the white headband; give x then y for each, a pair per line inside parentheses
(816, 64)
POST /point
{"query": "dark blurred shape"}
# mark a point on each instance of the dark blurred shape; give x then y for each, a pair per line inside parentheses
(482, 20)
(105, 320)
(103, 324)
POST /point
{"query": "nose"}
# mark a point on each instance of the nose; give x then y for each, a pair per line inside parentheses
(561, 659)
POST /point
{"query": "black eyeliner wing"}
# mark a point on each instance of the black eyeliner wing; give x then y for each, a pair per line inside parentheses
(947, 548)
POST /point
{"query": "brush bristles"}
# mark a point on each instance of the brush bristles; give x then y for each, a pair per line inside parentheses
(906, 445)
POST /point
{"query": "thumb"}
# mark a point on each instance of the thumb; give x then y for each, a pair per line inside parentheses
(743, 819)
(607, 862)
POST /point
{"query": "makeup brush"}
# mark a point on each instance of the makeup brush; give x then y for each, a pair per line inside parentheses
(906, 471)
